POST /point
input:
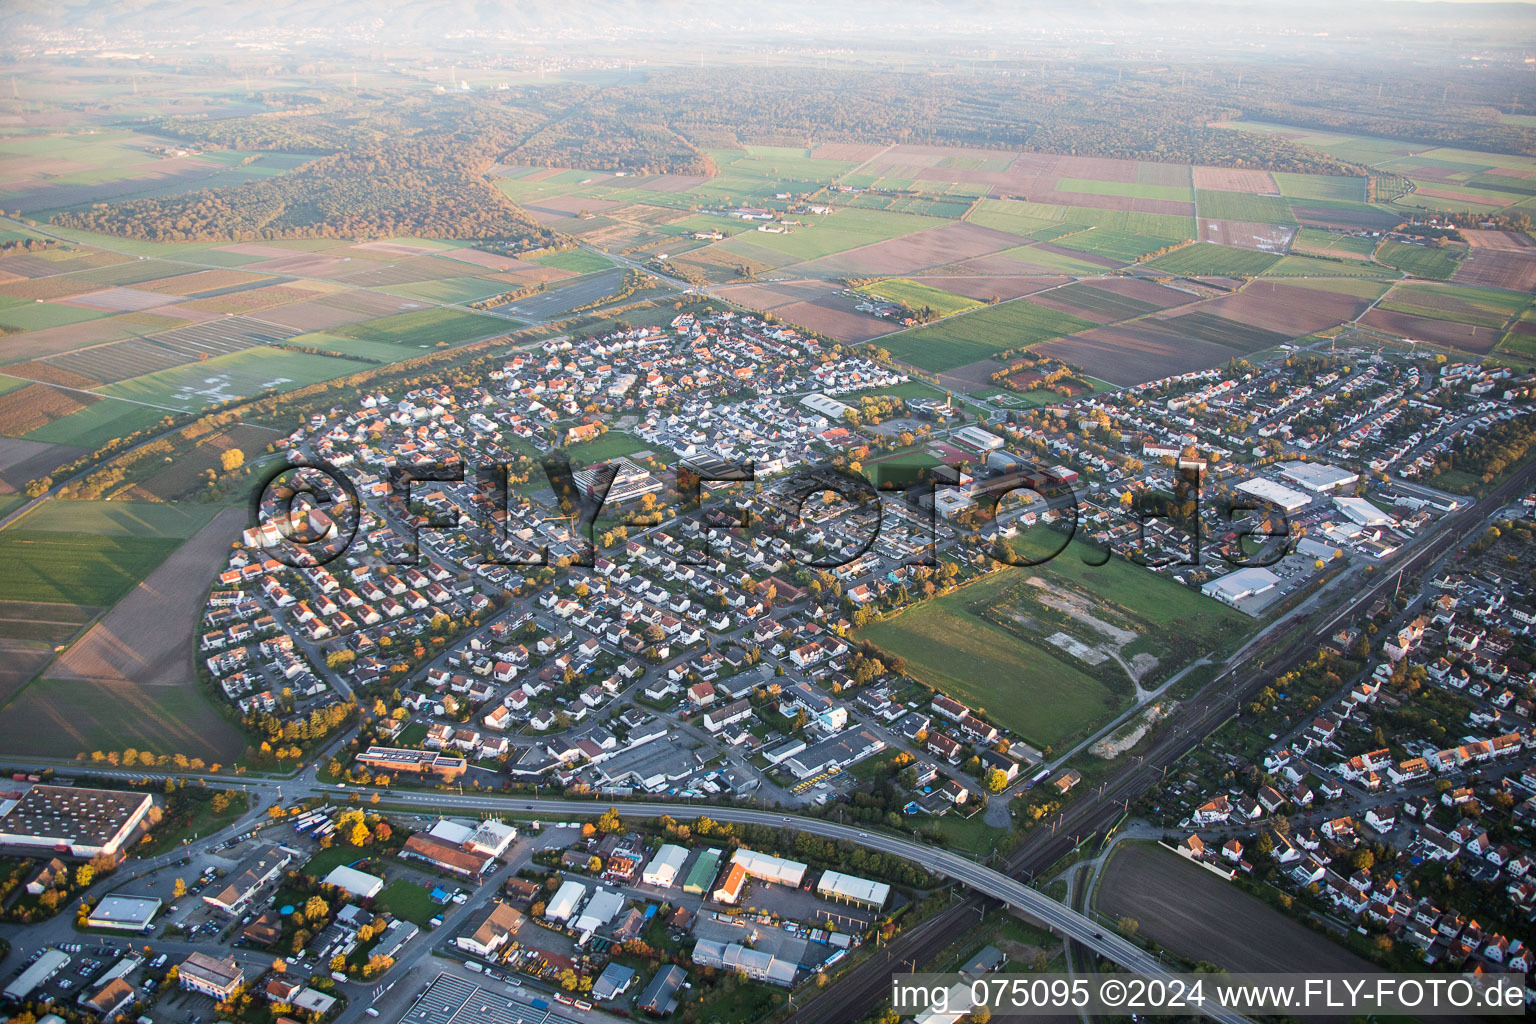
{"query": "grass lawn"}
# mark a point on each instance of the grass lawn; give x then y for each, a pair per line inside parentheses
(917, 296)
(1437, 263)
(408, 901)
(1207, 259)
(971, 834)
(76, 568)
(423, 328)
(612, 445)
(981, 334)
(579, 261)
(325, 861)
(1036, 694)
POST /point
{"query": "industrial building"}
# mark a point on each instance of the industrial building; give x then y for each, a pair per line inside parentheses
(1240, 585)
(702, 875)
(358, 883)
(828, 407)
(1287, 498)
(25, 983)
(852, 889)
(244, 882)
(769, 868)
(416, 762)
(1318, 477)
(563, 903)
(83, 822)
(128, 913)
(663, 868)
(1361, 511)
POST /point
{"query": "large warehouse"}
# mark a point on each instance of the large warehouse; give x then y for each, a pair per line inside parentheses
(768, 867)
(1361, 511)
(1287, 498)
(1317, 476)
(86, 822)
(127, 913)
(358, 883)
(663, 868)
(853, 889)
(1240, 585)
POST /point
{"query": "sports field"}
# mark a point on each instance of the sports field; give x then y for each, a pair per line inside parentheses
(981, 334)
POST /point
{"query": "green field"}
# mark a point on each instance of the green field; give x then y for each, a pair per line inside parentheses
(1308, 266)
(1437, 263)
(1207, 259)
(826, 235)
(579, 261)
(117, 518)
(239, 375)
(450, 289)
(1041, 697)
(980, 334)
(1481, 307)
(961, 642)
(1333, 243)
(917, 296)
(423, 328)
(1050, 261)
(408, 901)
(76, 568)
(35, 316)
(1320, 186)
(1243, 206)
(611, 445)
(98, 423)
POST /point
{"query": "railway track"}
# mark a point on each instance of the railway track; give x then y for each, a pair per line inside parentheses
(863, 989)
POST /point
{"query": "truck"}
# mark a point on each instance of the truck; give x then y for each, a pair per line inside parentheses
(470, 965)
(539, 1004)
(338, 976)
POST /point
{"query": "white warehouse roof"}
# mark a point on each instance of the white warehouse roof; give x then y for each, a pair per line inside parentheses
(358, 883)
(1243, 583)
(1361, 511)
(824, 405)
(768, 867)
(663, 868)
(851, 887)
(1317, 476)
(565, 900)
(1286, 497)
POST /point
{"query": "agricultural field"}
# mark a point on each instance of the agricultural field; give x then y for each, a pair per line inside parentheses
(916, 295)
(1438, 263)
(422, 329)
(1480, 307)
(72, 567)
(1206, 260)
(1333, 243)
(981, 334)
(1190, 911)
(241, 375)
(128, 680)
(1243, 206)
(579, 261)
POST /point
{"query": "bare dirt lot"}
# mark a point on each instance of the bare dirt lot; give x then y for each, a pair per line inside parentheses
(28, 632)
(129, 680)
(1131, 353)
(936, 247)
(1192, 912)
(23, 461)
(1514, 270)
(1286, 309)
(1232, 179)
(1437, 332)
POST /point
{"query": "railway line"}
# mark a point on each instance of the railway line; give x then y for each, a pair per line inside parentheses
(1288, 644)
